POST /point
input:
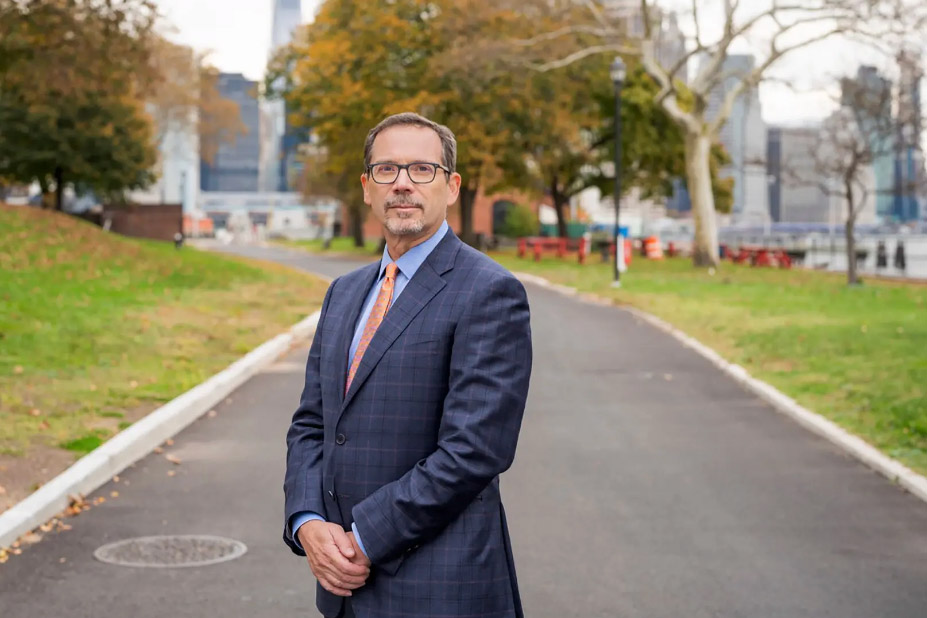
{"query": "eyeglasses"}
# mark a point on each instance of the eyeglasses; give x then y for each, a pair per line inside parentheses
(420, 173)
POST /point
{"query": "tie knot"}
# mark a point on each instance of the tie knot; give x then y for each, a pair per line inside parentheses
(391, 270)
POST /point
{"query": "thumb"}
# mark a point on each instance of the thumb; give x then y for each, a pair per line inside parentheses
(343, 543)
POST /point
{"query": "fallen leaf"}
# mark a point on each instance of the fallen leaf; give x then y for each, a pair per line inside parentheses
(2, 490)
(116, 479)
(62, 560)
(173, 459)
(99, 500)
(114, 494)
(171, 473)
(18, 369)
(31, 538)
(43, 426)
(158, 450)
(133, 384)
(4, 556)
(668, 377)
(93, 387)
(169, 442)
(35, 412)
(211, 414)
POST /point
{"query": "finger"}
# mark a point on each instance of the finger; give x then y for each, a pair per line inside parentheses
(341, 592)
(338, 577)
(337, 561)
(342, 542)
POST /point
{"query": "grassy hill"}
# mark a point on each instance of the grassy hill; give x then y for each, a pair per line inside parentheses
(96, 329)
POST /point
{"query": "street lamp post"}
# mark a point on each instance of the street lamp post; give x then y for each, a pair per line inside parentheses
(618, 73)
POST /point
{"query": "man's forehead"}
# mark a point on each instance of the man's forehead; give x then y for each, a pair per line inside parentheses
(406, 141)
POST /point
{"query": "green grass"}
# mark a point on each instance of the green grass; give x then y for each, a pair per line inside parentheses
(339, 246)
(855, 355)
(85, 444)
(95, 327)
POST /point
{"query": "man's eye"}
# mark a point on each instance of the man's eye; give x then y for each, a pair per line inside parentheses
(386, 169)
(421, 168)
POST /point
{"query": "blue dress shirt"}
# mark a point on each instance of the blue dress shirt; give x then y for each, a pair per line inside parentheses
(408, 264)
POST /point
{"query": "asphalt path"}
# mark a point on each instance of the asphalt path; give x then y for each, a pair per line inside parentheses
(647, 484)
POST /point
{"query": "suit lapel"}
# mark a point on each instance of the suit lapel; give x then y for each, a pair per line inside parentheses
(355, 306)
(426, 283)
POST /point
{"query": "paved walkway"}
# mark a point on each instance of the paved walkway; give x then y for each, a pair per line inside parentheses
(647, 484)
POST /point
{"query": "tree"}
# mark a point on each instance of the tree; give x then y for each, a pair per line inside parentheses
(860, 133)
(187, 99)
(638, 31)
(72, 73)
(572, 140)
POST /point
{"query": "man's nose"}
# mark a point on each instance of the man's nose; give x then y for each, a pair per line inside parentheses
(403, 182)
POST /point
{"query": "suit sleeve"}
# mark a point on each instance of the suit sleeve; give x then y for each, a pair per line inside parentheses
(490, 368)
(302, 485)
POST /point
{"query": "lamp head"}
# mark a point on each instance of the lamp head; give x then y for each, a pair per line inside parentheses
(618, 71)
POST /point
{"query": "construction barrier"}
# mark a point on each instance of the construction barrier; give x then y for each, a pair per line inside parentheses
(653, 248)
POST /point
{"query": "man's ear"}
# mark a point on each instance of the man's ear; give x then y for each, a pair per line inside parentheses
(364, 180)
(453, 188)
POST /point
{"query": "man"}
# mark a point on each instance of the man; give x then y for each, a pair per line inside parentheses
(415, 390)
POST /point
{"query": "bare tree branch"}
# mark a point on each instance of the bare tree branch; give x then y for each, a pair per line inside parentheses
(566, 31)
(597, 14)
(584, 53)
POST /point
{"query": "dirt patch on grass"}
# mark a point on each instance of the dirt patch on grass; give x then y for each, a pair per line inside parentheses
(23, 475)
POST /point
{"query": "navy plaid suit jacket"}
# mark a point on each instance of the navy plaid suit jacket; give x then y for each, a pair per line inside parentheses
(413, 452)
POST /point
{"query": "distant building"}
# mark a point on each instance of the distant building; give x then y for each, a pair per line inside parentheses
(795, 193)
(908, 199)
(869, 80)
(845, 120)
(235, 167)
(744, 138)
(279, 164)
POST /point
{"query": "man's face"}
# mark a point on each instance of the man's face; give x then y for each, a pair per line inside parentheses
(405, 209)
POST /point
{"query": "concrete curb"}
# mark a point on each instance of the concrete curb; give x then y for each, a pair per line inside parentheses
(130, 445)
(849, 443)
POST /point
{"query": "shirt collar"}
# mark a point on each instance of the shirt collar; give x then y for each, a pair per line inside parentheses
(411, 260)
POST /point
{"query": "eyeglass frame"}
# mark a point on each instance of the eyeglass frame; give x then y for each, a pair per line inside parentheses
(406, 167)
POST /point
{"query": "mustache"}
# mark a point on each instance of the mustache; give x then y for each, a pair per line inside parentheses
(403, 201)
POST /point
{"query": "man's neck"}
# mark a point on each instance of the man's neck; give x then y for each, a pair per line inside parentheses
(397, 246)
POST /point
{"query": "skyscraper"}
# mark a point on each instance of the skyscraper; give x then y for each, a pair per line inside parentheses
(870, 84)
(279, 143)
(795, 192)
(235, 166)
(744, 138)
(909, 173)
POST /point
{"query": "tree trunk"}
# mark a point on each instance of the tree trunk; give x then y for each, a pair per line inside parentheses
(59, 188)
(849, 227)
(559, 202)
(698, 177)
(467, 199)
(357, 226)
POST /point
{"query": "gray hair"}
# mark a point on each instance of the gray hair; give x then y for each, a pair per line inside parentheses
(448, 141)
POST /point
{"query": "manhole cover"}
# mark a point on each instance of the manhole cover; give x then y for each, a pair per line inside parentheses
(187, 550)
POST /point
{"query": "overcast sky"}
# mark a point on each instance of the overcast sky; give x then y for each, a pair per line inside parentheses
(237, 32)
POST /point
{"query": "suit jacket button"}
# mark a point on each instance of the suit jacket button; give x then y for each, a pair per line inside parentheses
(340, 439)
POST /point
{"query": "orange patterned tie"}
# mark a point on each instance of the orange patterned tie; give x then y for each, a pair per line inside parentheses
(373, 322)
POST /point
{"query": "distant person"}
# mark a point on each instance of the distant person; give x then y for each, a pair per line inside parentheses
(414, 395)
(881, 255)
(900, 261)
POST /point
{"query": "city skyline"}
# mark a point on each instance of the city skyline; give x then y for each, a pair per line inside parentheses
(239, 33)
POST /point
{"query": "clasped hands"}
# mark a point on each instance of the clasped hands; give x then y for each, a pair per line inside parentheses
(334, 557)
